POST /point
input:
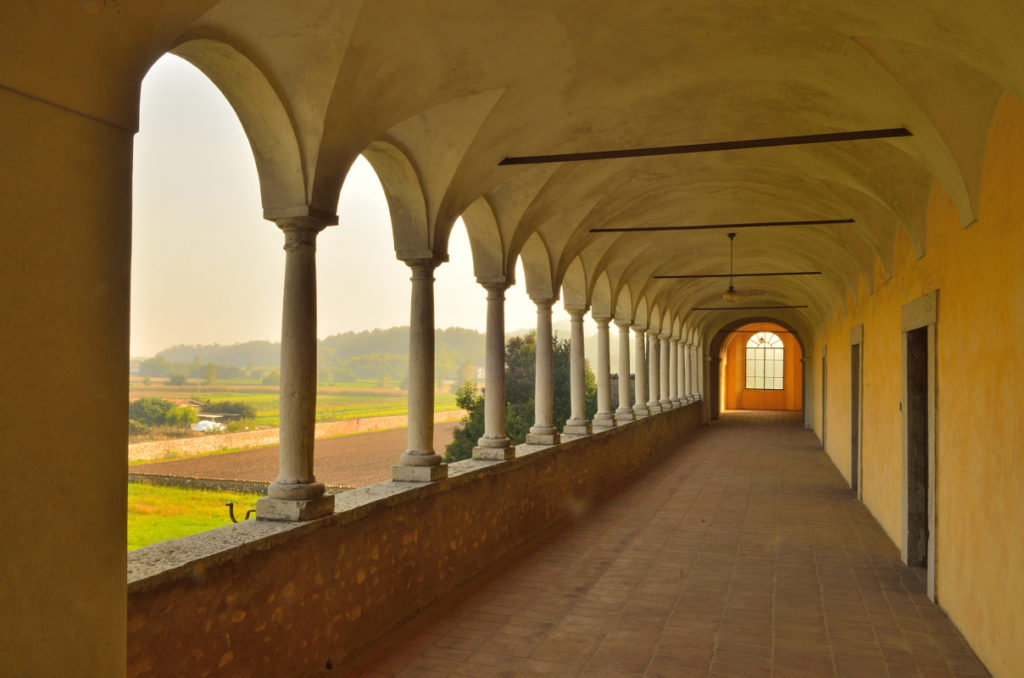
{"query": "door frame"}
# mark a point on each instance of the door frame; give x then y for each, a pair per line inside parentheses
(918, 314)
(857, 411)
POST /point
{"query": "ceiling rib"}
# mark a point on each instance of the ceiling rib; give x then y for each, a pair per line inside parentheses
(709, 147)
(735, 275)
(748, 224)
(743, 308)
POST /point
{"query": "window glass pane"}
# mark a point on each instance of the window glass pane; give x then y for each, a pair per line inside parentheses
(765, 366)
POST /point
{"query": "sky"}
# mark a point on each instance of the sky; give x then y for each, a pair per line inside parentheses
(207, 268)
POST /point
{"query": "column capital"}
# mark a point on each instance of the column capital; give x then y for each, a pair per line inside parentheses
(544, 304)
(602, 320)
(622, 324)
(300, 231)
(422, 269)
(495, 288)
(576, 315)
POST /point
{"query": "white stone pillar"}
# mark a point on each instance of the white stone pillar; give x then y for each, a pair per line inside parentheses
(705, 367)
(420, 463)
(494, 444)
(680, 350)
(640, 401)
(653, 376)
(624, 412)
(604, 418)
(695, 372)
(673, 371)
(577, 425)
(296, 495)
(687, 373)
(543, 431)
(663, 364)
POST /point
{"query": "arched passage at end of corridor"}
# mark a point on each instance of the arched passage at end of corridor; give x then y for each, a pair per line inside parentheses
(742, 379)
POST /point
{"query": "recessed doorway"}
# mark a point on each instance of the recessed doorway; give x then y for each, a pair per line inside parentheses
(856, 407)
(919, 440)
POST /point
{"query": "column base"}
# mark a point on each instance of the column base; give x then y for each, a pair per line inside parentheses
(666, 405)
(419, 474)
(624, 415)
(494, 449)
(576, 428)
(677, 402)
(641, 411)
(494, 453)
(603, 421)
(547, 435)
(653, 407)
(294, 510)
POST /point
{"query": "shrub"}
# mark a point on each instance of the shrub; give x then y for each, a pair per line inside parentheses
(181, 417)
(149, 411)
(177, 380)
(272, 379)
(137, 428)
(242, 409)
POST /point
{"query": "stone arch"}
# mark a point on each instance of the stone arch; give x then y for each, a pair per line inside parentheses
(716, 343)
(622, 303)
(485, 241)
(574, 285)
(537, 269)
(601, 296)
(406, 203)
(267, 123)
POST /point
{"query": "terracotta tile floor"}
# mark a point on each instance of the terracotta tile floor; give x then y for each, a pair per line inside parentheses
(743, 555)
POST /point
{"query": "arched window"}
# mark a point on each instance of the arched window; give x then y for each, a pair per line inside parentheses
(765, 362)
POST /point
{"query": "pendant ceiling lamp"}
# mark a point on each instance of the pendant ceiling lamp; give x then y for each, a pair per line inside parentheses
(731, 295)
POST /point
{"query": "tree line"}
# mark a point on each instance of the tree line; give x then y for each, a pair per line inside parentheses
(520, 375)
(379, 354)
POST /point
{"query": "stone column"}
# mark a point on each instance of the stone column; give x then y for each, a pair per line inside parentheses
(604, 418)
(420, 463)
(687, 373)
(577, 425)
(663, 363)
(296, 495)
(543, 431)
(695, 372)
(653, 404)
(624, 412)
(673, 371)
(494, 444)
(640, 401)
(705, 364)
(680, 350)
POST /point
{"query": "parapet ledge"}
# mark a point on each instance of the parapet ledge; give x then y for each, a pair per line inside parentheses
(190, 557)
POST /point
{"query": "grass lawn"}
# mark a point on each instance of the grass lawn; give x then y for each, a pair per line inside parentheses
(156, 513)
(333, 403)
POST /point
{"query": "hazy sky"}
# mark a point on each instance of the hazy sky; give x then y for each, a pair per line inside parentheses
(206, 266)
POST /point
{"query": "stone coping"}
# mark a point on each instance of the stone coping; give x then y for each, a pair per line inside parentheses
(157, 565)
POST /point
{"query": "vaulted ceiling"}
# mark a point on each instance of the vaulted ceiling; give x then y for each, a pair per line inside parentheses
(437, 94)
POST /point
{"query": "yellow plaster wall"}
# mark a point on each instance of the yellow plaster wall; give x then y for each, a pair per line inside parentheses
(737, 396)
(980, 397)
(65, 192)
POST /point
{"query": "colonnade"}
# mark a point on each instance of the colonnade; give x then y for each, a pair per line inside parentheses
(666, 378)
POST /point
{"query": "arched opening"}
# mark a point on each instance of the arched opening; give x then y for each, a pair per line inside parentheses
(760, 368)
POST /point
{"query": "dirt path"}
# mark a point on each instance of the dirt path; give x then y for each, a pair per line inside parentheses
(350, 461)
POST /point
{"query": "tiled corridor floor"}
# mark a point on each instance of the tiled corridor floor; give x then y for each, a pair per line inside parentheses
(744, 554)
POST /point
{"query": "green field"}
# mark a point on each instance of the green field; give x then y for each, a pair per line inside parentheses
(344, 401)
(156, 513)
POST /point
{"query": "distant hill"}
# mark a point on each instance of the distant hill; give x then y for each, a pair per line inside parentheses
(369, 354)
(262, 353)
